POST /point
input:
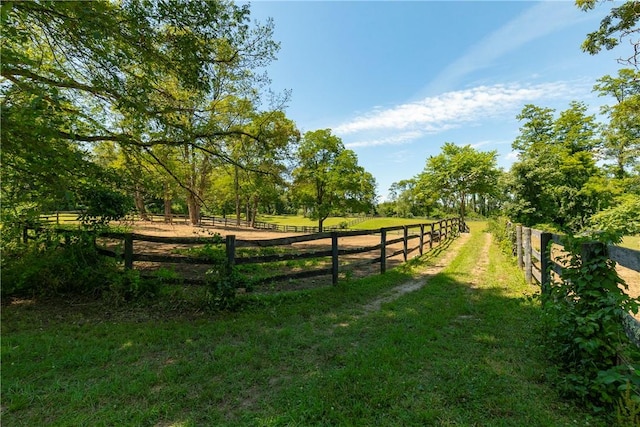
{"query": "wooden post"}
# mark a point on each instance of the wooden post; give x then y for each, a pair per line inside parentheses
(431, 236)
(383, 250)
(230, 246)
(527, 254)
(405, 251)
(545, 261)
(334, 257)
(128, 251)
(421, 238)
(519, 246)
(25, 234)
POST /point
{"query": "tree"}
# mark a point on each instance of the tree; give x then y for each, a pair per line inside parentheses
(120, 71)
(556, 179)
(622, 134)
(328, 179)
(619, 24)
(264, 159)
(460, 172)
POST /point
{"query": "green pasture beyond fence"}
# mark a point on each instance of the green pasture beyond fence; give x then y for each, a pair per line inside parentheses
(538, 253)
(215, 221)
(424, 235)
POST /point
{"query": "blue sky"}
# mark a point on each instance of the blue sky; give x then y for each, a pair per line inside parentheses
(396, 80)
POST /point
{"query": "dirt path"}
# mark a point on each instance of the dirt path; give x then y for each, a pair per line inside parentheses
(424, 275)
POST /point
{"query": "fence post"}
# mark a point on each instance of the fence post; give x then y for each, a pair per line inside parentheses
(25, 234)
(230, 247)
(383, 250)
(527, 254)
(545, 261)
(334, 257)
(431, 236)
(421, 237)
(405, 251)
(519, 246)
(128, 251)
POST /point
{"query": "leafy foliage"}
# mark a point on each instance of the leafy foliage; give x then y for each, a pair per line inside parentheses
(619, 24)
(460, 172)
(53, 265)
(556, 179)
(584, 325)
(328, 179)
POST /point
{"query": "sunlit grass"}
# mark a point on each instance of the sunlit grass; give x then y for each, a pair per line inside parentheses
(299, 220)
(376, 223)
(631, 242)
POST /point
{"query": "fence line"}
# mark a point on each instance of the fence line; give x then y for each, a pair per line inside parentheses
(541, 265)
(437, 232)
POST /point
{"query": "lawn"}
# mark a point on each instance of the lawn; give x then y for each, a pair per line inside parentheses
(376, 223)
(462, 350)
(367, 224)
(300, 220)
(632, 242)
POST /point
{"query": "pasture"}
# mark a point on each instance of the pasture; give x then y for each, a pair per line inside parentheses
(461, 349)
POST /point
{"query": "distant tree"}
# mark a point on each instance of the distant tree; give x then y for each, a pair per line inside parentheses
(461, 172)
(328, 179)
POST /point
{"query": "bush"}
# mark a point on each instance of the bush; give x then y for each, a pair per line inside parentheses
(57, 264)
(504, 233)
(584, 327)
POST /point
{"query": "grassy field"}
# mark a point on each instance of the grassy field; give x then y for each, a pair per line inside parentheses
(460, 351)
(300, 220)
(369, 224)
(632, 242)
(375, 223)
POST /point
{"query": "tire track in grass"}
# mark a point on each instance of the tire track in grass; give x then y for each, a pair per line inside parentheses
(423, 276)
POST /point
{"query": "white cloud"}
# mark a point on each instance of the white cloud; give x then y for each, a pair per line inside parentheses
(449, 110)
(402, 138)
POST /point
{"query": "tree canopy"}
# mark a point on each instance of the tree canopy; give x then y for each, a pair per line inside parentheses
(459, 172)
(143, 74)
(328, 179)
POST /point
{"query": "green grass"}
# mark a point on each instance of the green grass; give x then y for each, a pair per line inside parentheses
(369, 224)
(632, 242)
(447, 354)
(301, 220)
(376, 223)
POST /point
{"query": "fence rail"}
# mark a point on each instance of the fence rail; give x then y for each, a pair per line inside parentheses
(535, 255)
(424, 236)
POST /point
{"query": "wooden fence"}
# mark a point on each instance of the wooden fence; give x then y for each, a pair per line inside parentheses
(536, 253)
(436, 232)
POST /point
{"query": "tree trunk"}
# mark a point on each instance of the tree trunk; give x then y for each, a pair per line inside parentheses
(236, 187)
(139, 202)
(194, 209)
(168, 217)
(256, 199)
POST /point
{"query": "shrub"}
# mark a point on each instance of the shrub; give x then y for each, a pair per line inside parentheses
(584, 315)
